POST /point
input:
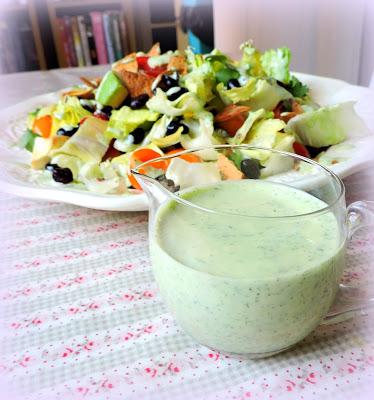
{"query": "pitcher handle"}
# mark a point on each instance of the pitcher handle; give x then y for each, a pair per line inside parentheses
(359, 214)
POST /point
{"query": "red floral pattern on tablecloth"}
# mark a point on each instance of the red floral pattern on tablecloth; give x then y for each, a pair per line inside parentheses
(81, 317)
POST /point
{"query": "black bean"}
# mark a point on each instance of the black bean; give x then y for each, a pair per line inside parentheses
(62, 175)
(314, 151)
(233, 83)
(251, 168)
(167, 82)
(177, 94)
(138, 135)
(88, 107)
(139, 102)
(107, 110)
(67, 132)
(50, 167)
(174, 126)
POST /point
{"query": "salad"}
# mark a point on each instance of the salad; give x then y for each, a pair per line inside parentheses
(152, 104)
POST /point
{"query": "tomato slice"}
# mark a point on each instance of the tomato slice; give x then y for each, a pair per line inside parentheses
(142, 62)
(154, 72)
(300, 149)
(42, 126)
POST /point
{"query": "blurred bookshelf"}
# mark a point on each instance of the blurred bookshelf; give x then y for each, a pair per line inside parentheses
(44, 34)
(21, 48)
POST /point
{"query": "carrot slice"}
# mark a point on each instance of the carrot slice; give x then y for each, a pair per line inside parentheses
(231, 118)
(189, 157)
(42, 126)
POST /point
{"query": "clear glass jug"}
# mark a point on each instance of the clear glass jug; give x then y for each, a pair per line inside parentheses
(251, 266)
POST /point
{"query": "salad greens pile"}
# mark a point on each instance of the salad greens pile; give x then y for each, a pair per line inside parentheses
(151, 104)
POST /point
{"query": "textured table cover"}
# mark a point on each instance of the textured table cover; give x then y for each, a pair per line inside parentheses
(81, 316)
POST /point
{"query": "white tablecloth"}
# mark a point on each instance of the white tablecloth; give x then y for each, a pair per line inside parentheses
(81, 316)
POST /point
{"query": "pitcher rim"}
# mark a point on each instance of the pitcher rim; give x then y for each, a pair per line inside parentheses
(331, 174)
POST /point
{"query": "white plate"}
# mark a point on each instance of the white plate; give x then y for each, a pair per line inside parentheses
(14, 162)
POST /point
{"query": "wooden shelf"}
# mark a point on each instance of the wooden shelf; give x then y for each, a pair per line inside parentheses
(82, 3)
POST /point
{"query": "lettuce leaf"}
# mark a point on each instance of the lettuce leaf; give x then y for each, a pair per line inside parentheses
(276, 63)
(200, 135)
(188, 104)
(328, 125)
(201, 82)
(251, 60)
(69, 111)
(238, 94)
(125, 120)
(256, 93)
(89, 143)
(242, 132)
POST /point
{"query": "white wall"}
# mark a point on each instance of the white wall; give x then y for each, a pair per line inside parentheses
(332, 38)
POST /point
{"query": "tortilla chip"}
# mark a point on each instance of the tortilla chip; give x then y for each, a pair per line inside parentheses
(91, 82)
(154, 50)
(178, 63)
(136, 83)
(82, 93)
(131, 66)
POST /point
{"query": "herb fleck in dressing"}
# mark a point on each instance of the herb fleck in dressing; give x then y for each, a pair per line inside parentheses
(247, 284)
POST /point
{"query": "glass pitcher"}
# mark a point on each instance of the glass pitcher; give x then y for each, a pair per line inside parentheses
(250, 266)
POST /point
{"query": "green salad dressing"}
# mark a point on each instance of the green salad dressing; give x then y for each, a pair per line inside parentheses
(238, 280)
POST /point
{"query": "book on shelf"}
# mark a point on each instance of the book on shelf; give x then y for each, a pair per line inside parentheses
(118, 51)
(64, 44)
(71, 56)
(84, 40)
(17, 47)
(109, 36)
(90, 39)
(77, 41)
(98, 31)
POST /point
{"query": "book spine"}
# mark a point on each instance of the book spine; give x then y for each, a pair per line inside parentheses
(108, 37)
(77, 41)
(97, 27)
(69, 35)
(117, 36)
(84, 40)
(91, 40)
(64, 42)
(123, 34)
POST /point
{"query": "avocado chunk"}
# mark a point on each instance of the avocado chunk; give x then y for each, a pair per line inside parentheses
(111, 92)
